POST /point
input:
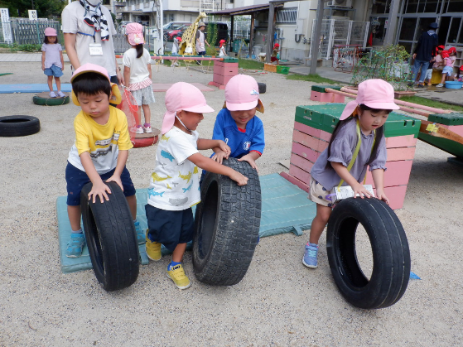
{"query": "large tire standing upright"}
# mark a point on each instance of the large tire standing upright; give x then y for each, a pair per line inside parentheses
(227, 226)
(111, 239)
(391, 255)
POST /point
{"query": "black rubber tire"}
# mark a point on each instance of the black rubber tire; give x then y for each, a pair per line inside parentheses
(50, 101)
(262, 88)
(389, 245)
(227, 226)
(11, 126)
(111, 241)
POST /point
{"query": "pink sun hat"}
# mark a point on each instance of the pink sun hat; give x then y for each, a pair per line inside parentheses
(50, 32)
(90, 68)
(374, 93)
(134, 33)
(186, 97)
(242, 93)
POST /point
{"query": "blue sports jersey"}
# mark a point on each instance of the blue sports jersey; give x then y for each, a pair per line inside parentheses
(240, 143)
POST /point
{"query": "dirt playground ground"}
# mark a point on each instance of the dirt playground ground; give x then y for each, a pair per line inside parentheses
(278, 303)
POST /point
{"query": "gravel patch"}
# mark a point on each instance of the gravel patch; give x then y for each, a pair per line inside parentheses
(278, 303)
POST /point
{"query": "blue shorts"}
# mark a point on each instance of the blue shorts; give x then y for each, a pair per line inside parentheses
(202, 53)
(447, 70)
(170, 227)
(53, 71)
(76, 179)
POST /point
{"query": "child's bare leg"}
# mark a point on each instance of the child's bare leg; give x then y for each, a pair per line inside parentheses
(147, 113)
(132, 201)
(58, 83)
(319, 223)
(50, 83)
(74, 217)
(139, 116)
(177, 255)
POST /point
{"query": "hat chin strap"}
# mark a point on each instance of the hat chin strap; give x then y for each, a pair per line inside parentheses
(183, 124)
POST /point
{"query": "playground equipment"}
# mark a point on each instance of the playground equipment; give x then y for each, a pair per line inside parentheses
(188, 45)
(227, 226)
(45, 100)
(111, 239)
(11, 126)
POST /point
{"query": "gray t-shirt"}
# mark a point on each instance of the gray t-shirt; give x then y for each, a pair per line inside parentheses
(72, 19)
(52, 54)
(342, 150)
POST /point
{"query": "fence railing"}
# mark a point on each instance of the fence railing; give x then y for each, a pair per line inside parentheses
(25, 31)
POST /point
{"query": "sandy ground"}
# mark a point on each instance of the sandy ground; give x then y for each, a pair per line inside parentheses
(278, 303)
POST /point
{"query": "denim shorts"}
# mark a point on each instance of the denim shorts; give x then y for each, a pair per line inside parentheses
(53, 71)
(76, 179)
(169, 227)
(447, 70)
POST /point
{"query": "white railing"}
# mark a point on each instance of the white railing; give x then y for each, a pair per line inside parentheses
(336, 32)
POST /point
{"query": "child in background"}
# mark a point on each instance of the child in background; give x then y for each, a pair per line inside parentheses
(435, 64)
(100, 152)
(237, 124)
(175, 45)
(222, 52)
(174, 184)
(362, 120)
(275, 53)
(137, 74)
(52, 61)
(449, 57)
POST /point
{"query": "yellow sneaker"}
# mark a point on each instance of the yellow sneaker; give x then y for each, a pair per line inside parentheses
(177, 274)
(153, 249)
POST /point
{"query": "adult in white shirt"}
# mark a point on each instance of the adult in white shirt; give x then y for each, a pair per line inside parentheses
(88, 29)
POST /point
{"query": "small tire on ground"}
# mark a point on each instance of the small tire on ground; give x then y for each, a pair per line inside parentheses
(47, 101)
(227, 226)
(262, 88)
(11, 126)
(390, 252)
(111, 240)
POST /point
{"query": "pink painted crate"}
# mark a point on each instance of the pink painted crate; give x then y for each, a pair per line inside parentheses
(326, 97)
(305, 152)
(397, 173)
(301, 163)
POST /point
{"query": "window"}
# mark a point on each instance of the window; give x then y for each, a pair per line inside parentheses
(453, 32)
(455, 6)
(287, 15)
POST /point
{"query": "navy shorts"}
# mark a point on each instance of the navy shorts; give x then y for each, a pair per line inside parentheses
(53, 71)
(202, 53)
(170, 227)
(76, 179)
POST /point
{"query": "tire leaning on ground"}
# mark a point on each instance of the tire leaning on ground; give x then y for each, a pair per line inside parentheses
(111, 241)
(227, 226)
(11, 126)
(262, 87)
(390, 252)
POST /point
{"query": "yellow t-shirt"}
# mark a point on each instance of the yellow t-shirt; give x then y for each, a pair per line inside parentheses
(102, 141)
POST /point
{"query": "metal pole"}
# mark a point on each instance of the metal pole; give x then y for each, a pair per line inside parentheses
(392, 23)
(316, 37)
(268, 43)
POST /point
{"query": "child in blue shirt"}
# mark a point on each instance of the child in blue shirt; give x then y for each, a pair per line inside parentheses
(237, 124)
(361, 121)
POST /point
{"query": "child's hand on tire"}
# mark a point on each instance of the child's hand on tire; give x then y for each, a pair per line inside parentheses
(240, 179)
(101, 190)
